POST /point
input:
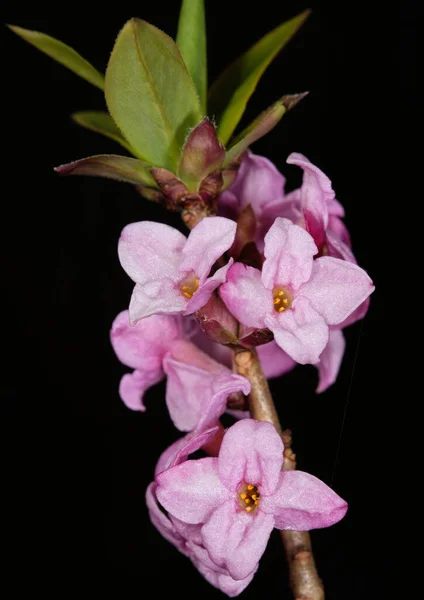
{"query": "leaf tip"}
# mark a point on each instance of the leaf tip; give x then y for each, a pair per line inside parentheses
(64, 169)
(291, 100)
(16, 29)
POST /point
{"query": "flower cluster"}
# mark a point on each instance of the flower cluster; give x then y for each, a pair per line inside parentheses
(273, 270)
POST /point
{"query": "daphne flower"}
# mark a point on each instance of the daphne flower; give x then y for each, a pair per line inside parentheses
(260, 185)
(296, 297)
(321, 211)
(239, 497)
(158, 347)
(187, 537)
(172, 272)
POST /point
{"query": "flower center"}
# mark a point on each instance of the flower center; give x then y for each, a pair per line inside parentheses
(248, 497)
(189, 285)
(282, 299)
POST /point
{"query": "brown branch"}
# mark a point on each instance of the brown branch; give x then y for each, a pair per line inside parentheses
(305, 583)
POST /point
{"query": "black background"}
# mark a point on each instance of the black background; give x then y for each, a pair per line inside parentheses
(77, 461)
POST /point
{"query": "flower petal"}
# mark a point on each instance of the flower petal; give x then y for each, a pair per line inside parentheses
(202, 295)
(339, 229)
(301, 332)
(162, 523)
(289, 252)
(225, 384)
(236, 539)
(188, 391)
(180, 450)
(275, 362)
(336, 288)
(219, 578)
(251, 452)
(206, 243)
(133, 386)
(155, 297)
(245, 296)
(198, 387)
(144, 345)
(316, 196)
(257, 173)
(339, 249)
(190, 354)
(149, 251)
(358, 314)
(330, 360)
(303, 502)
(191, 491)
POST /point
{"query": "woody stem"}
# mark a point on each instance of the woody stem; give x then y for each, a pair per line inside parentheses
(305, 583)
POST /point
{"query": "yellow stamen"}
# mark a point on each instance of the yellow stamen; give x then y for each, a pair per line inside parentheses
(282, 298)
(189, 286)
(248, 497)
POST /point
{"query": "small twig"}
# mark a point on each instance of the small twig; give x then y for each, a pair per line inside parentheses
(305, 583)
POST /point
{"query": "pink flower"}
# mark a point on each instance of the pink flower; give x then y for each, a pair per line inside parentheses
(239, 497)
(143, 348)
(296, 297)
(157, 347)
(187, 537)
(172, 272)
(260, 185)
(321, 211)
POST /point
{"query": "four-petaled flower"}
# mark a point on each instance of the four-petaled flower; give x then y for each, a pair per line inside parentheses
(295, 296)
(172, 272)
(239, 497)
(159, 346)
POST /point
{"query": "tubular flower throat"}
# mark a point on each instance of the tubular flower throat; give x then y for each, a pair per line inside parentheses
(189, 286)
(282, 299)
(248, 496)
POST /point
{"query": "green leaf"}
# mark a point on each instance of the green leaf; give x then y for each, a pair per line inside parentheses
(150, 94)
(231, 91)
(191, 40)
(112, 166)
(101, 122)
(262, 125)
(62, 53)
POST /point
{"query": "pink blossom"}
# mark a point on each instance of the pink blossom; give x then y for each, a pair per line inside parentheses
(239, 497)
(296, 297)
(158, 346)
(187, 537)
(321, 211)
(260, 185)
(142, 348)
(172, 272)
